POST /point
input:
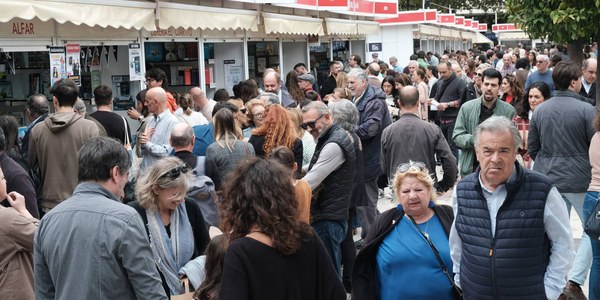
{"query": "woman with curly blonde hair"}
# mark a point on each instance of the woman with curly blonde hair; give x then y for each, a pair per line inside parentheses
(271, 254)
(277, 130)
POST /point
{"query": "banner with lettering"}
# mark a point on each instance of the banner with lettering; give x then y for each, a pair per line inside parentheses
(57, 64)
(73, 63)
(135, 62)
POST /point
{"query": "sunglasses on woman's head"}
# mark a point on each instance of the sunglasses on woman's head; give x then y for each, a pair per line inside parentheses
(175, 172)
(419, 166)
(311, 124)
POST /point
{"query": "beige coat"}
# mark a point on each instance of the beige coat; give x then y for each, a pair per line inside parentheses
(16, 260)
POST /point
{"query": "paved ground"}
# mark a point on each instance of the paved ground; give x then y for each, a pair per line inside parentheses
(385, 203)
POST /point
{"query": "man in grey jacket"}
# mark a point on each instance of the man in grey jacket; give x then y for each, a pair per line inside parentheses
(91, 246)
(412, 139)
(560, 134)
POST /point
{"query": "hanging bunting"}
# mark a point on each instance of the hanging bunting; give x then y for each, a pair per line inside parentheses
(115, 52)
(106, 52)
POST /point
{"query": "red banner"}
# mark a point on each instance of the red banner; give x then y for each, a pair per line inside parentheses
(459, 21)
(446, 18)
(332, 3)
(363, 6)
(384, 8)
(483, 27)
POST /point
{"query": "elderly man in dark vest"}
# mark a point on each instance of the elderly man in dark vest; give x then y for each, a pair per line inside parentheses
(330, 176)
(511, 238)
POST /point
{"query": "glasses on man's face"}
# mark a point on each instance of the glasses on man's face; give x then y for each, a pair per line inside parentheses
(175, 172)
(540, 61)
(243, 110)
(479, 74)
(311, 124)
(415, 165)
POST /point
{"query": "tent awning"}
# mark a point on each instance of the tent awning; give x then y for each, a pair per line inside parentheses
(366, 27)
(513, 35)
(201, 17)
(285, 24)
(339, 26)
(481, 39)
(124, 14)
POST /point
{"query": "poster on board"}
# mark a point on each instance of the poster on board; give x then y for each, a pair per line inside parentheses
(73, 63)
(234, 73)
(57, 64)
(135, 59)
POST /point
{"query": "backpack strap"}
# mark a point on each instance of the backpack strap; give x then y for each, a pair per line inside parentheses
(200, 166)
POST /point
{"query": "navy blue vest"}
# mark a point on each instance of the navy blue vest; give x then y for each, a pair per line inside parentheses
(510, 264)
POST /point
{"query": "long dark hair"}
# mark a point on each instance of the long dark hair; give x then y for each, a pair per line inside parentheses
(390, 80)
(260, 194)
(524, 109)
(215, 257)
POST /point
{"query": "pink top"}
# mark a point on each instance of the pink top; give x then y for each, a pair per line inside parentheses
(595, 162)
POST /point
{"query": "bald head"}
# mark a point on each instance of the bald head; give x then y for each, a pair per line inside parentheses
(272, 82)
(409, 98)
(199, 97)
(156, 100)
(374, 69)
(182, 137)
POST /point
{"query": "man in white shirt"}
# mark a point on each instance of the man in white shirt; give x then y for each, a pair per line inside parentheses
(203, 104)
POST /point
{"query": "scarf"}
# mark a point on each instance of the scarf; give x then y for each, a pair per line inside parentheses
(171, 254)
(443, 87)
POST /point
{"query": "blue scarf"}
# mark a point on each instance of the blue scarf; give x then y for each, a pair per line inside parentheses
(171, 254)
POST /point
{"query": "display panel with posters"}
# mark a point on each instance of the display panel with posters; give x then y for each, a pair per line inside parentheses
(73, 63)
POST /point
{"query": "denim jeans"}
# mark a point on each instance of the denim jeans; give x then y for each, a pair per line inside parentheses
(332, 233)
(591, 199)
(583, 258)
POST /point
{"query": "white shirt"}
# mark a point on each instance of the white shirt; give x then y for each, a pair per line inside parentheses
(208, 109)
(556, 224)
(586, 86)
(195, 118)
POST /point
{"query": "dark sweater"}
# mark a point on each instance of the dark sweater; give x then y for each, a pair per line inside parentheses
(18, 180)
(113, 124)
(258, 141)
(254, 270)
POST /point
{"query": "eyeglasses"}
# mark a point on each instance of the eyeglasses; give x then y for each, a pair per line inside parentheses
(540, 61)
(175, 172)
(479, 74)
(311, 124)
(417, 165)
(258, 116)
(243, 110)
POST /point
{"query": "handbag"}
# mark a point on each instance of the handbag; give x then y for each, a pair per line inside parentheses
(188, 293)
(592, 225)
(457, 291)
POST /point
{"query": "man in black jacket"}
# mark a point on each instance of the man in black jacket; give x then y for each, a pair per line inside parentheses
(330, 84)
(588, 82)
(449, 95)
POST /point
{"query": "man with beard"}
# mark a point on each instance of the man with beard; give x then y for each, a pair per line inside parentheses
(374, 117)
(330, 176)
(272, 82)
(330, 84)
(474, 113)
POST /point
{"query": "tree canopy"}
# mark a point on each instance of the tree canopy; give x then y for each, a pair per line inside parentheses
(562, 21)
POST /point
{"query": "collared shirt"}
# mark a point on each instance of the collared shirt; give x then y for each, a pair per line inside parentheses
(586, 86)
(93, 247)
(159, 145)
(486, 112)
(556, 224)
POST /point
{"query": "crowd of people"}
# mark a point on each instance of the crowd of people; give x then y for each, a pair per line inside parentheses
(257, 195)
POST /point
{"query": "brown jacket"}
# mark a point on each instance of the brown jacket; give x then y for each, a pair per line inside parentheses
(16, 260)
(53, 145)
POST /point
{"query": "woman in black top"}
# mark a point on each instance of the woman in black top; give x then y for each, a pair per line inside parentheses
(271, 255)
(175, 227)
